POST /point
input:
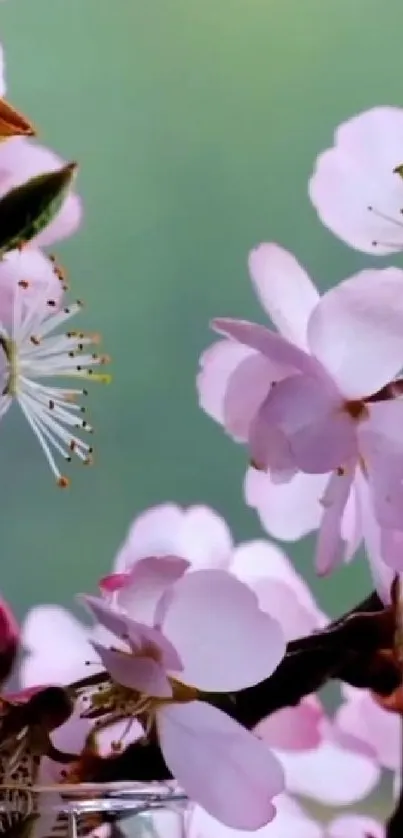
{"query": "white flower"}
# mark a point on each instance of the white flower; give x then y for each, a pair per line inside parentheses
(31, 356)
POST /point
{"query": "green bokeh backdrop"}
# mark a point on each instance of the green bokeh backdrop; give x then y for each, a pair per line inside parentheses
(196, 125)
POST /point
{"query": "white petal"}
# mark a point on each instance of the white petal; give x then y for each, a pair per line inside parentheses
(288, 510)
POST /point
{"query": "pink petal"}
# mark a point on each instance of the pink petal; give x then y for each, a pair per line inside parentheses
(279, 351)
(152, 638)
(224, 641)
(71, 736)
(46, 630)
(356, 331)
(255, 560)
(289, 822)
(293, 728)
(392, 548)
(153, 533)
(113, 582)
(381, 573)
(284, 290)
(308, 412)
(142, 674)
(146, 583)
(204, 538)
(217, 364)
(361, 717)
(289, 510)
(115, 622)
(247, 388)
(329, 774)
(355, 826)
(270, 449)
(21, 159)
(357, 173)
(219, 764)
(381, 444)
(330, 544)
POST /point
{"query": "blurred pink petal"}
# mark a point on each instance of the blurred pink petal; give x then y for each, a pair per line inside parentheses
(257, 560)
(330, 545)
(354, 187)
(356, 331)
(214, 623)
(114, 621)
(142, 674)
(284, 289)
(22, 159)
(46, 630)
(290, 822)
(219, 764)
(354, 826)
(145, 584)
(197, 534)
(293, 728)
(362, 718)
(308, 411)
(113, 582)
(329, 774)
(273, 346)
(288, 510)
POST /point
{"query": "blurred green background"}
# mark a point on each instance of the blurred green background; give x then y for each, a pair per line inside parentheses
(196, 125)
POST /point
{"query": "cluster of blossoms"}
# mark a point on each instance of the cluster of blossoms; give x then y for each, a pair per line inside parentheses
(186, 620)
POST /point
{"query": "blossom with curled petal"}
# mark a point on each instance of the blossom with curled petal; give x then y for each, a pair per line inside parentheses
(305, 400)
(357, 187)
(31, 354)
(207, 634)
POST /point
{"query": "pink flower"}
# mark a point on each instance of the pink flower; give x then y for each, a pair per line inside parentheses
(291, 821)
(370, 728)
(207, 631)
(22, 159)
(357, 187)
(334, 353)
(196, 533)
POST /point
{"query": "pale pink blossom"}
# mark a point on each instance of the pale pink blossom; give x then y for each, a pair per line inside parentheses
(291, 821)
(370, 728)
(22, 159)
(316, 424)
(206, 634)
(195, 533)
(357, 188)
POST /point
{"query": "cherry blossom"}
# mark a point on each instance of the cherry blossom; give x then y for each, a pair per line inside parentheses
(357, 187)
(305, 403)
(31, 354)
(207, 634)
(291, 820)
(370, 728)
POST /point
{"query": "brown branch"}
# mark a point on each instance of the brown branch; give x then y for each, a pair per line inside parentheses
(354, 649)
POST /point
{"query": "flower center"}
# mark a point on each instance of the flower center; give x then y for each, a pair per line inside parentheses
(357, 409)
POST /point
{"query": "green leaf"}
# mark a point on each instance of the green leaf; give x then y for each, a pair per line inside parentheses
(26, 210)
